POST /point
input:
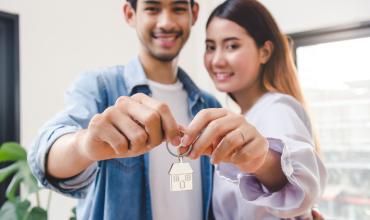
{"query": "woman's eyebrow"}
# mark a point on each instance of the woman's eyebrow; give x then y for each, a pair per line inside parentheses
(230, 39)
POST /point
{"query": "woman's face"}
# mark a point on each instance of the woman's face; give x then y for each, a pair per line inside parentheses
(232, 57)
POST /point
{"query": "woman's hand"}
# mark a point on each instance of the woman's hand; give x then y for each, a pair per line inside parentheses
(226, 137)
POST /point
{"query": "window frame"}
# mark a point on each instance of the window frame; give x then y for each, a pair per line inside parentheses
(10, 86)
(330, 34)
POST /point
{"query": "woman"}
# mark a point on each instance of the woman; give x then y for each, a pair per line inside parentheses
(267, 164)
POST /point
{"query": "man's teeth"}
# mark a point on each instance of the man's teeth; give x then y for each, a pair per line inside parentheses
(166, 37)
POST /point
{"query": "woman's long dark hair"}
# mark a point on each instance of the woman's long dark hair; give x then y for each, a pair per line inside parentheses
(279, 74)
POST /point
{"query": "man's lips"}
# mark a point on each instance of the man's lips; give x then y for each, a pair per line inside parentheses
(166, 39)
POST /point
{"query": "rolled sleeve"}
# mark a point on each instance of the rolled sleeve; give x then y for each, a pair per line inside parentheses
(74, 186)
(82, 101)
(302, 189)
(305, 181)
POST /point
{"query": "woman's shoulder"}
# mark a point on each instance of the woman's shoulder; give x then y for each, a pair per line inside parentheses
(280, 114)
(272, 100)
(275, 105)
(278, 100)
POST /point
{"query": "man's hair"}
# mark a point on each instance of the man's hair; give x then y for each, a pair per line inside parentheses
(134, 3)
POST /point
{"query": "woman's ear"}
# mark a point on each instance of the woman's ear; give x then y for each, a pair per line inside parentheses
(129, 14)
(265, 51)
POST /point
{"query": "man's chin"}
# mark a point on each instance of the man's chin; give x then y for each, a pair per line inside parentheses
(165, 57)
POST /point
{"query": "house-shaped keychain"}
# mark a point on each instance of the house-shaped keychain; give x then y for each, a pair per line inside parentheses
(181, 177)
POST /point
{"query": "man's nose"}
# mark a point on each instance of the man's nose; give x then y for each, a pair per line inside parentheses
(166, 21)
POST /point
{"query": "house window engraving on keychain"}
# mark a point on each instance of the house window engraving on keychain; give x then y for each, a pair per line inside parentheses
(181, 173)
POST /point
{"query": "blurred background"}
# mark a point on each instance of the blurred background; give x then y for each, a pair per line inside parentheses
(45, 44)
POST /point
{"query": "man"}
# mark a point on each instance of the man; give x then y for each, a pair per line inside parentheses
(97, 149)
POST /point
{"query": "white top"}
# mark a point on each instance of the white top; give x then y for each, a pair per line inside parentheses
(239, 196)
(167, 205)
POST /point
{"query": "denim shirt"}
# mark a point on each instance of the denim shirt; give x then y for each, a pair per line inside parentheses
(116, 188)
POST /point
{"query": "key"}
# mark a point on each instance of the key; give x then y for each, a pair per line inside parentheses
(181, 176)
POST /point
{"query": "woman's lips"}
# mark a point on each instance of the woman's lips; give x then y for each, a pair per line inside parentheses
(223, 76)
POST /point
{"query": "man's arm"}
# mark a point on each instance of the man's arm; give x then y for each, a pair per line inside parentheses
(133, 126)
(65, 159)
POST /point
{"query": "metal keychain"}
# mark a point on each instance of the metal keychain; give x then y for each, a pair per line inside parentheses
(181, 174)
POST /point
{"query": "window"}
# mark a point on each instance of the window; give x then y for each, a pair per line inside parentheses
(176, 178)
(334, 71)
(9, 83)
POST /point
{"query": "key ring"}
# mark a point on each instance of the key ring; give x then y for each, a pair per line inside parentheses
(178, 155)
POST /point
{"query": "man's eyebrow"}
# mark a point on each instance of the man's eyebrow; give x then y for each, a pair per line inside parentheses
(152, 2)
(181, 2)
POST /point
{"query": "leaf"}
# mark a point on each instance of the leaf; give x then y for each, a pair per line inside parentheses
(7, 171)
(73, 217)
(12, 151)
(8, 211)
(37, 213)
(29, 180)
(14, 210)
(13, 187)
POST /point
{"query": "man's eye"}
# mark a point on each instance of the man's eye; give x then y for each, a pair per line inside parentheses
(180, 9)
(152, 9)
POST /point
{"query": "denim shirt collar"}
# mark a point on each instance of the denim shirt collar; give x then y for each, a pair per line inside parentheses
(136, 81)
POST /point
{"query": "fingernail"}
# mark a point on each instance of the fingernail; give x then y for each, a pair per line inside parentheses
(214, 160)
(185, 141)
(176, 141)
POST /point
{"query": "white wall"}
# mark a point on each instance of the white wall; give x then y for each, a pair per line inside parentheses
(59, 39)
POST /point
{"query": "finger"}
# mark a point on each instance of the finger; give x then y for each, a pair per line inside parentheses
(137, 136)
(250, 157)
(216, 130)
(183, 150)
(316, 214)
(168, 122)
(200, 122)
(208, 151)
(117, 142)
(231, 143)
(145, 117)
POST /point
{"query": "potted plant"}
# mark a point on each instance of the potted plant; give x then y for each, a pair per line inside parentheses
(18, 207)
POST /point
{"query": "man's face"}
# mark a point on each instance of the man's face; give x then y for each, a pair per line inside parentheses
(163, 26)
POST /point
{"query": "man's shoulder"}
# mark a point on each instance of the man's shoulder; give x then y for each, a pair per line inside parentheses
(209, 99)
(106, 72)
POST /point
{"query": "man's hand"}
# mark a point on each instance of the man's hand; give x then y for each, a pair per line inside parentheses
(133, 126)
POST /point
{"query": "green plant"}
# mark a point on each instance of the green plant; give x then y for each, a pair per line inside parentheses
(17, 207)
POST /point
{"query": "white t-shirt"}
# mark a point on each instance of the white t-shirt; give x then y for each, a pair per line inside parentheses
(183, 205)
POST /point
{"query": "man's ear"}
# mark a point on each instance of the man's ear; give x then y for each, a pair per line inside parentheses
(266, 51)
(129, 13)
(195, 12)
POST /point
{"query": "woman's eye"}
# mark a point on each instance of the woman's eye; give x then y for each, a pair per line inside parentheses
(232, 46)
(210, 48)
